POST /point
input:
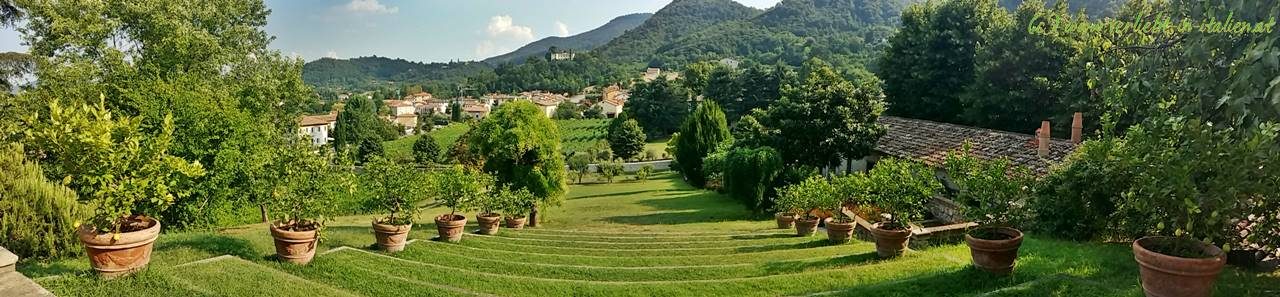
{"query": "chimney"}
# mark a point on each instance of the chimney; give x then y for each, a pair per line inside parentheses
(1077, 125)
(1043, 139)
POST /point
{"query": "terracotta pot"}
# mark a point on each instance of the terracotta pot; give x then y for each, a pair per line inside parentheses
(839, 233)
(806, 227)
(120, 256)
(489, 224)
(890, 243)
(297, 247)
(516, 223)
(785, 220)
(1164, 275)
(391, 238)
(996, 256)
(450, 228)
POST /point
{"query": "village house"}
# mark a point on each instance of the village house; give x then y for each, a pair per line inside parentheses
(419, 97)
(476, 110)
(403, 113)
(612, 100)
(561, 54)
(317, 127)
(653, 74)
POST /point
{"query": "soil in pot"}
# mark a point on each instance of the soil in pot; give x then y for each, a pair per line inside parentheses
(806, 226)
(391, 238)
(785, 220)
(295, 242)
(994, 250)
(1170, 266)
(839, 231)
(119, 254)
(516, 222)
(450, 227)
(891, 239)
(488, 223)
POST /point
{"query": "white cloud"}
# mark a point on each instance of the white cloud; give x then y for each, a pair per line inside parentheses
(501, 26)
(562, 29)
(369, 6)
(503, 35)
(331, 55)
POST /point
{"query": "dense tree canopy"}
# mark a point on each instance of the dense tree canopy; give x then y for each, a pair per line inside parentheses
(825, 118)
(520, 146)
(659, 106)
(700, 133)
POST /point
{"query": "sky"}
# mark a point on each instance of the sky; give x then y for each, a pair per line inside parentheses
(427, 30)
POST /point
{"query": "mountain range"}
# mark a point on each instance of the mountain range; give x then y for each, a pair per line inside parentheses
(582, 42)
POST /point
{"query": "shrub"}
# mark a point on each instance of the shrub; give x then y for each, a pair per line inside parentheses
(748, 173)
(425, 150)
(1075, 200)
(805, 197)
(700, 134)
(37, 217)
(651, 154)
(644, 172)
(901, 188)
(992, 192)
(396, 188)
(610, 169)
(713, 165)
(120, 172)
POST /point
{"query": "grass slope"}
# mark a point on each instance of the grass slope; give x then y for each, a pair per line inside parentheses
(652, 238)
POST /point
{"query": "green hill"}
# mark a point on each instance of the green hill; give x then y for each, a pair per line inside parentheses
(581, 42)
(671, 23)
(364, 72)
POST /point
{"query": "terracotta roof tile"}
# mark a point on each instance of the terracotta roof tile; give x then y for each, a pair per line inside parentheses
(930, 141)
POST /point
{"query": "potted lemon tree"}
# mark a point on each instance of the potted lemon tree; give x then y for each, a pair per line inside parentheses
(458, 189)
(308, 182)
(803, 199)
(491, 208)
(126, 177)
(398, 189)
(516, 203)
(900, 189)
(992, 193)
(846, 190)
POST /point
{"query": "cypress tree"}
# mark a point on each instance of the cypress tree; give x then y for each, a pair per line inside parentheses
(699, 135)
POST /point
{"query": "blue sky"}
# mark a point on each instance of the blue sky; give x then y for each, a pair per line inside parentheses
(427, 30)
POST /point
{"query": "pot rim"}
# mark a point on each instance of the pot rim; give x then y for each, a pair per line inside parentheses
(1017, 235)
(784, 214)
(92, 239)
(301, 236)
(456, 217)
(1219, 255)
(391, 229)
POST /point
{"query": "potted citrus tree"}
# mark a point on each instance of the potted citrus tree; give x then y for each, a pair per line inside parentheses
(900, 189)
(398, 189)
(847, 190)
(458, 189)
(491, 207)
(126, 177)
(515, 204)
(303, 200)
(991, 193)
(803, 199)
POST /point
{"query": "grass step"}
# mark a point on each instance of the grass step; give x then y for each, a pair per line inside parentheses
(718, 243)
(859, 255)
(500, 244)
(640, 239)
(624, 234)
(469, 249)
(533, 285)
(222, 276)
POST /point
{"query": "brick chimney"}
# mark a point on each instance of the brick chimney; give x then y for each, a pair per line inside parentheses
(1042, 137)
(1077, 125)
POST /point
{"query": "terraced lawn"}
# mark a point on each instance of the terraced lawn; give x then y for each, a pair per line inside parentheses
(652, 238)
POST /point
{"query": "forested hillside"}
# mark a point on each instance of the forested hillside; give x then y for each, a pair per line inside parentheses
(581, 42)
(368, 72)
(671, 23)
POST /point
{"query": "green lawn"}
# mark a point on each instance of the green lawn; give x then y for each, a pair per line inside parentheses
(652, 238)
(402, 149)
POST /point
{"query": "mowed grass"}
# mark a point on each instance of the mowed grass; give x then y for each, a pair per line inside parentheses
(637, 238)
(402, 149)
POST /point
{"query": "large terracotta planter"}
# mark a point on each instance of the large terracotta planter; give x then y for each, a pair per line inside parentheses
(516, 223)
(839, 233)
(450, 227)
(122, 255)
(391, 238)
(806, 227)
(785, 220)
(297, 247)
(1167, 276)
(993, 255)
(489, 224)
(890, 242)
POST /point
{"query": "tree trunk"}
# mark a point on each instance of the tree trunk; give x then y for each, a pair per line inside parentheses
(533, 216)
(263, 210)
